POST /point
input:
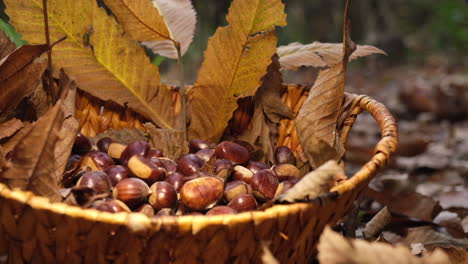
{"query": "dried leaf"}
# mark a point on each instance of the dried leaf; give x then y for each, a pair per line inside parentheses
(170, 141)
(267, 256)
(453, 199)
(377, 223)
(333, 248)
(97, 54)
(20, 73)
(6, 46)
(123, 136)
(432, 239)
(16, 138)
(10, 127)
(314, 183)
(317, 54)
(318, 117)
(235, 61)
(32, 165)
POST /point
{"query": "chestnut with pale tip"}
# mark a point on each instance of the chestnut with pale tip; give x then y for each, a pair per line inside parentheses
(201, 193)
(283, 187)
(163, 195)
(189, 164)
(97, 160)
(114, 150)
(236, 188)
(222, 164)
(264, 184)
(283, 154)
(145, 209)
(82, 145)
(98, 181)
(241, 173)
(116, 173)
(132, 191)
(243, 202)
(286, 171)
(255, 166)
(136, 148)
(169, 165)
(165, 212)
(154, 153)
(103, 144)
(205, 154)
(233, 152)
(221, 210)
(111, 206)
(199, 144)
(145, 169)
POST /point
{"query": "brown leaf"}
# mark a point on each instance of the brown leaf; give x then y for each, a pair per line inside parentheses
(453, 199)
(16, 138)
(10, 127)
(317, 119)
(170, 141)
(333, 248)
(32, 166)
(316, 54)
(432, 239)
(123, 136)
(20, 73)
(6, 46)
(377, 223)
(314, 184)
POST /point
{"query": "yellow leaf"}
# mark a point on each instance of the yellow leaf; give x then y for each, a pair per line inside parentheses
(97, 54)
(236, 59)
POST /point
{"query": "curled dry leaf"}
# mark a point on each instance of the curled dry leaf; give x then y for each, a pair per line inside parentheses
(10, 127)
(123, 136)
(317, 54)
(377, 223)
(235, 61)
(333, 248)
(32, 165)
(6, 45)
(314, 184)
(10, 144)
(170, 141)
(97, 54)
(318, 117)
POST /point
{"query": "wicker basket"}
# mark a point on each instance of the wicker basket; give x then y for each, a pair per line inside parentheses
(33, 230)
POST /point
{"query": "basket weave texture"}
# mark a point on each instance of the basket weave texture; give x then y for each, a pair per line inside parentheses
(33, 230)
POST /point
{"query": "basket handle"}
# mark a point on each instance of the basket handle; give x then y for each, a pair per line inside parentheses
(387, 145)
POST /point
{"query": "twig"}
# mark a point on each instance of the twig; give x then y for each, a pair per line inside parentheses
(49, 52)
(182, 88)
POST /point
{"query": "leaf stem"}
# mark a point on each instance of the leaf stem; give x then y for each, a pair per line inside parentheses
(49, 52)
(182, 88)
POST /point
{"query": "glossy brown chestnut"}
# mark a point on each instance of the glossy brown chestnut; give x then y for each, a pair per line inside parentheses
(73, 163)
(283, 187)
(82, 145)
(169, 165)
(241, 173)
(165, 212)
(246, 145)
(146, 170)
(138, 148)
(154, 153)
(132, 191)
(114, 150)
(222, 164)
(116, 173)
(286, 171)
(163, 195)
(199, 144)
(97, 160)
(189, 164)
(264, 184)
(103, 144)
(205, 154)
(145, 209)
(243, 202)
(232, 151)
(177, 179)
(255, 166)
(201, 193)
(221, 210)
(95, 180)
(111, 206)
(283, 154)
(236, 188)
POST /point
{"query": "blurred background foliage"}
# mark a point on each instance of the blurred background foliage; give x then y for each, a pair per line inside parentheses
(410, 31)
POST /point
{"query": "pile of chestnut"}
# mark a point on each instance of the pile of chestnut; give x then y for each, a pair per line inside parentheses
(212, 179)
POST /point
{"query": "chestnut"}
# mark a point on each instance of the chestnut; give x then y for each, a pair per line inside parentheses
(103, 144)
(236, 188)
(255, 166)
(283, 154)
(243, 202)
(264, 184)
(132, 191)
(139, 148)
(163, 195)
(145, 169)
(73, 163)
(98, 181)
(286, 171)
(116, 173)
(189, 164)
(169, 165)
(165, 212)
(246, 145)
(154, 153)
(283, 187)
(145, 209)
(177, 179)
(221, 210)
(205, 154)
(201, 193)
(70, 179)
(233, 152)
(241, 173)
(222, 164)
(114, 150)
(199, 144)
(82, 145)
(111, 206)
(97, 160)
